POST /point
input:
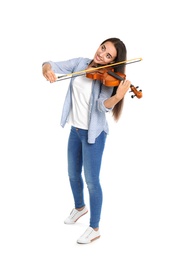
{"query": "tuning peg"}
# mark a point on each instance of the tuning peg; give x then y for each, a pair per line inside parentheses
(138, 93)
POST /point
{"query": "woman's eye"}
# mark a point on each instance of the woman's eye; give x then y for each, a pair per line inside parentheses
(103, 47)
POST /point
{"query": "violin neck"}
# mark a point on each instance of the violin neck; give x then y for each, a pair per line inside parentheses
(115, 75)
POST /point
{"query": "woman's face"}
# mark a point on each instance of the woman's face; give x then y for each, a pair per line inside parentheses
(105, 54)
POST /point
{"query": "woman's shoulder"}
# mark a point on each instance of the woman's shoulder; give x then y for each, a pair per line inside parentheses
(80, 63)
(81, 59)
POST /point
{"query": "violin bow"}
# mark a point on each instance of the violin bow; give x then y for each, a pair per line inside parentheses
(82, 72)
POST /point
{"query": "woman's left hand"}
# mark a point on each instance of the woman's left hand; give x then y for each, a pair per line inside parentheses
(122, 89)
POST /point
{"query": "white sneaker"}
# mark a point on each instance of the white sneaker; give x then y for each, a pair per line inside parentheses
(75, 215)
(89, 235)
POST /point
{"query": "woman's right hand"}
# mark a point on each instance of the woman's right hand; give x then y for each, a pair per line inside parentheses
(48, 73)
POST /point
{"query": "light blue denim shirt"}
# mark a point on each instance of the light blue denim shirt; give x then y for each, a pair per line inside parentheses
(97, 110)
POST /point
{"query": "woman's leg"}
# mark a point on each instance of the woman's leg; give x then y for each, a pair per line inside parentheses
(75, 167)
(92, 158)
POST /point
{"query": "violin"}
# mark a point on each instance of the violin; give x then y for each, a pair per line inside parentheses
(111, 79)
(107, 76)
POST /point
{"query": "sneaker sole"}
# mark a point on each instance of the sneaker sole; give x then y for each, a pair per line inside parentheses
(90, 241)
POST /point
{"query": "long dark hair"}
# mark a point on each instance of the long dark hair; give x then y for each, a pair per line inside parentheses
(121, 56)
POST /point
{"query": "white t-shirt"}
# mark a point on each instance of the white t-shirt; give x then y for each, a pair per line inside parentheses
(81, 93)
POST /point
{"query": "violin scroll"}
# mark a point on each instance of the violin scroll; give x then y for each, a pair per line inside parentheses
(137, 93)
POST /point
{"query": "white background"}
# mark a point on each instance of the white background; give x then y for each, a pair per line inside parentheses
(142, 171)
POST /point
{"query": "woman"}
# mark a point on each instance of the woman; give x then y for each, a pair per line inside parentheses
(86, 104)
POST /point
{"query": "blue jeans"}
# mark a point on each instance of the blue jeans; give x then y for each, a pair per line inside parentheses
(82, 155)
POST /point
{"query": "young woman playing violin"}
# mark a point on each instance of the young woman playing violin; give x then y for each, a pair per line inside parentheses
(86, 104)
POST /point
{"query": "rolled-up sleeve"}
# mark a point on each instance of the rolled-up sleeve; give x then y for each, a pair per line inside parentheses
(106, 93)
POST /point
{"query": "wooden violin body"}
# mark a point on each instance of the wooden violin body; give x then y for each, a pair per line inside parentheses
(104, 77)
